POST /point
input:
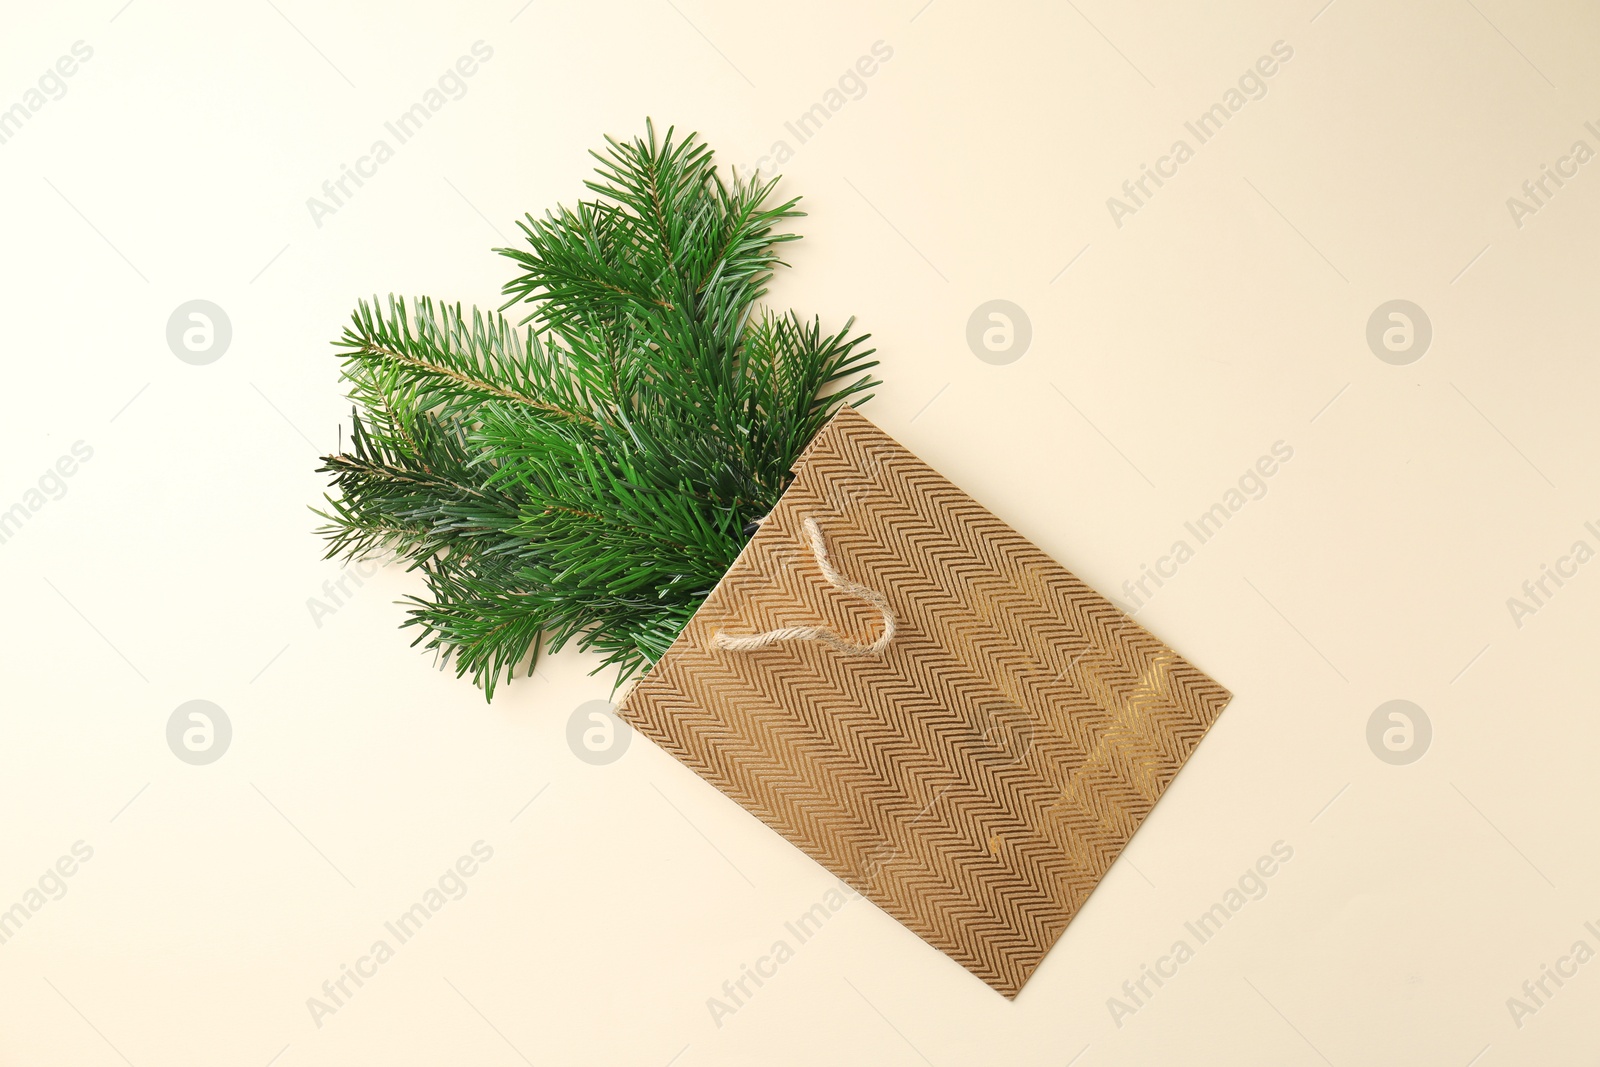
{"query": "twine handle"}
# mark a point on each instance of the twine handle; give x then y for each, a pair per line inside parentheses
(819, 549)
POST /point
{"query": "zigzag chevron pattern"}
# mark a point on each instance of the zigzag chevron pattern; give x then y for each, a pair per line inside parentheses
(976, 781)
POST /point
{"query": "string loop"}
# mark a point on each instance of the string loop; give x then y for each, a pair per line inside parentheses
(819, 549)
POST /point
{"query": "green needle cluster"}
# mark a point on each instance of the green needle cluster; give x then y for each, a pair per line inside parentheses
(590, 472)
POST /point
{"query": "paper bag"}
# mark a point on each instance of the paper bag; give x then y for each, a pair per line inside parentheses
(977, 777)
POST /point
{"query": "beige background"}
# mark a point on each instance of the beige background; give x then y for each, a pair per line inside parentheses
(1168, 354)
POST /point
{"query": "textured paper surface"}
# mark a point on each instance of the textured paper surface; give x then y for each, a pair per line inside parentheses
(978, 779)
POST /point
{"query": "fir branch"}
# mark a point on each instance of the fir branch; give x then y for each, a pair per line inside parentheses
(587, 475)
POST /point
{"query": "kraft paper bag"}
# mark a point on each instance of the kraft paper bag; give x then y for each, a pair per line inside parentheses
(950, 721)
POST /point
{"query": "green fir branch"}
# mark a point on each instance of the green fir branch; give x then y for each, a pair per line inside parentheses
(588, 475)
